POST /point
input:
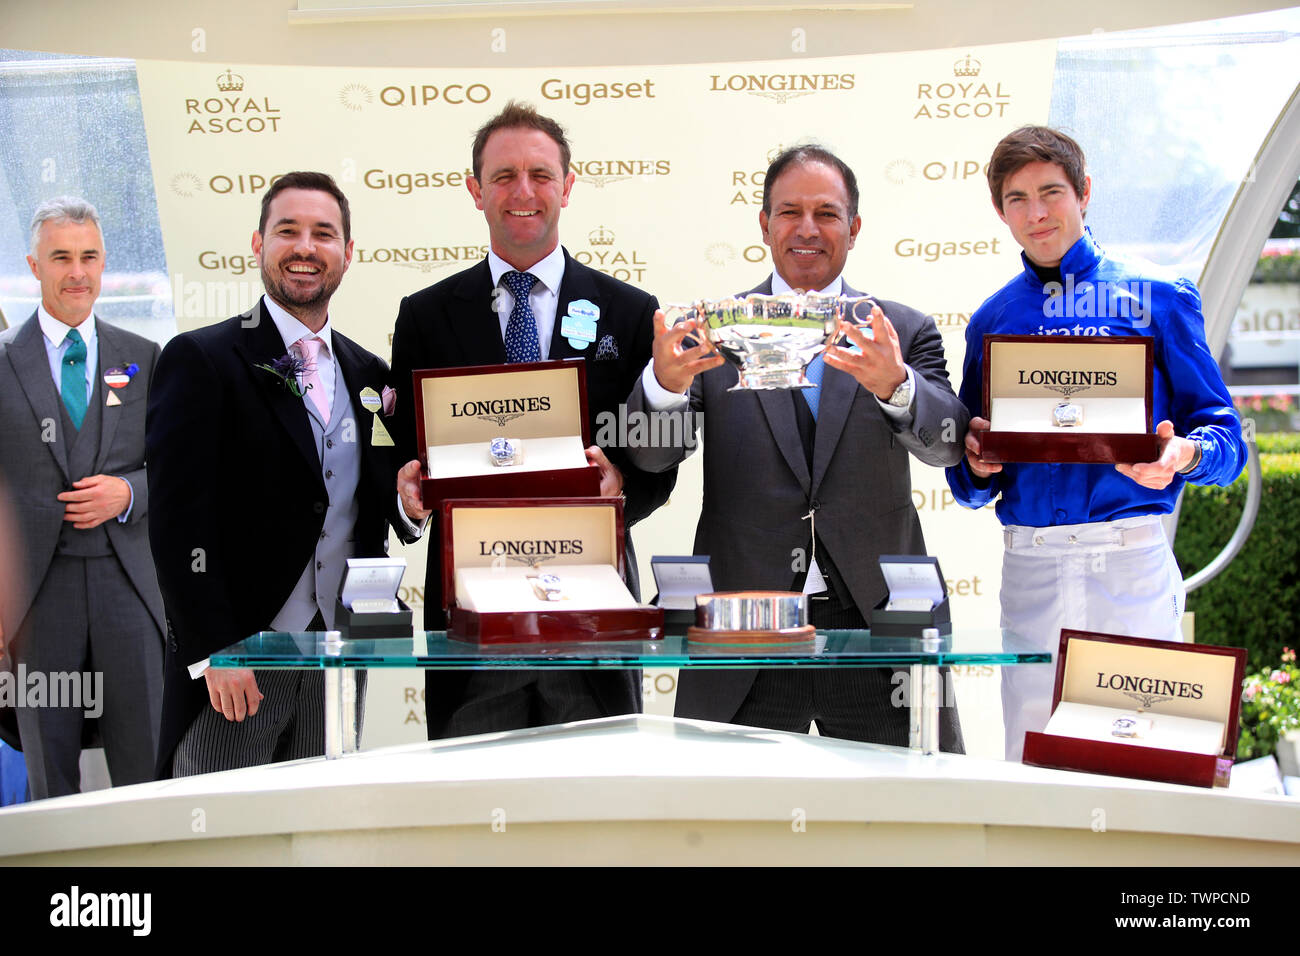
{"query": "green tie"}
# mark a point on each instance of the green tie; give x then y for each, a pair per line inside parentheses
(74, 379)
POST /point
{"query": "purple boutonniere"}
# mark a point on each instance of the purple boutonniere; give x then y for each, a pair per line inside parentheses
(287, 368)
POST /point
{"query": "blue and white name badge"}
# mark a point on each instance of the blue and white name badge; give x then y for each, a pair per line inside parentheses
(579, 326)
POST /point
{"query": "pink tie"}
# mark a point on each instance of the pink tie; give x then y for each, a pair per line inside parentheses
(308, 348)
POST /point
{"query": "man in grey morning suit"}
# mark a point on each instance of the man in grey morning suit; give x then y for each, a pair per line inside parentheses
(839, 452)
(72, 410)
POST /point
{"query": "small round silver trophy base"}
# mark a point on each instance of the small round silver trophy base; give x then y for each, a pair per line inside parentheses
(758, 617)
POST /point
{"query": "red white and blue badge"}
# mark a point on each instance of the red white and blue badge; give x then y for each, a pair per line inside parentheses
(120, 377)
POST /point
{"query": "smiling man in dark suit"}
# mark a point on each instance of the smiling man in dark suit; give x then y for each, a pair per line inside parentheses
(510, 308)
(804, 489)
(265, 483)
(72, 402)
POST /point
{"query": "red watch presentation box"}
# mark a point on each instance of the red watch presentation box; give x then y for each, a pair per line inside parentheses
(540, 407)
(1134, 707)
(525, 571)
(1059, 399)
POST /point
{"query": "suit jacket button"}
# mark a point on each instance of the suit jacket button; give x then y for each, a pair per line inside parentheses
(318, 507)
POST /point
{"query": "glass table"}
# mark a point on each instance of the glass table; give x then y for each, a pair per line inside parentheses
(341, 658)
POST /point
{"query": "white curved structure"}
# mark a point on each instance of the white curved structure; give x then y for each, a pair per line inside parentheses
(653, 790)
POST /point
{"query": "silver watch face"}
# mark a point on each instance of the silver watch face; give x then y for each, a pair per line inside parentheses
(902, 396)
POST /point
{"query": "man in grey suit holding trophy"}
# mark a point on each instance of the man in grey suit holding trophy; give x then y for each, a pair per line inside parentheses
(804, 489)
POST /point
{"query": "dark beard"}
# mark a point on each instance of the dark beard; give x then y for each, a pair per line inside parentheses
(281, 293)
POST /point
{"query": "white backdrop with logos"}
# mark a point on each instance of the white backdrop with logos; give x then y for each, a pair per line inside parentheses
(670, 163)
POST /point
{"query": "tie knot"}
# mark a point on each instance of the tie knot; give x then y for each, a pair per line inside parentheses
(309, 347)
(76, 347)
(520, 283)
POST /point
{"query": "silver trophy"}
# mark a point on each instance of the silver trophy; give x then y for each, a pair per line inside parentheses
(772, 338)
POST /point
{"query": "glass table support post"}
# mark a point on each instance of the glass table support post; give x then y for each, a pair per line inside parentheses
(923, 701)
(923, 708)
(340, 711)
(340, 701)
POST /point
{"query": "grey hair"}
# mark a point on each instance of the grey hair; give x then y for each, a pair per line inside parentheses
(63, 209)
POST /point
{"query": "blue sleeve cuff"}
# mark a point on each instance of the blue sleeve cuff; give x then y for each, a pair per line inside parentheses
(126, 515)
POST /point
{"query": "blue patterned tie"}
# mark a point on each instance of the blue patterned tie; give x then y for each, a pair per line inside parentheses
(814, 372)
(521, 330)
(73, 386)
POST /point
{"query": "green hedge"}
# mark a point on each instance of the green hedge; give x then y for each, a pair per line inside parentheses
(1283, 268)
(1255, 602)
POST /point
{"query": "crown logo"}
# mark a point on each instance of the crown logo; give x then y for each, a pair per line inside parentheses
(230, 82)
(967, 67)
(600, 236)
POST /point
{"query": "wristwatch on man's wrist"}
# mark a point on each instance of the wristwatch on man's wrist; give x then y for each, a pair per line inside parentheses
(1197, 451)
(902, 396)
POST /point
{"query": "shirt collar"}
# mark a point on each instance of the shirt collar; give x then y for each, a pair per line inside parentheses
(780, 286)
(291, 330)
(56, 331)
(1079, 260)
(549, 271)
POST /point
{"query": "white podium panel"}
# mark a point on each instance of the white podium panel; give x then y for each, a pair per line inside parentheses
(652, 790)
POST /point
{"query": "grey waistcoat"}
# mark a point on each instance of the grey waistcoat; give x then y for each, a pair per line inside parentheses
(339, 447)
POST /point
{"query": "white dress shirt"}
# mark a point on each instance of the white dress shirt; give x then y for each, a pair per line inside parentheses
(544, 297)
(57, 345)
(291, 330)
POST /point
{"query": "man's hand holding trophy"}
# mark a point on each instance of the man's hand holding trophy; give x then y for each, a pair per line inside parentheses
(771, 339)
